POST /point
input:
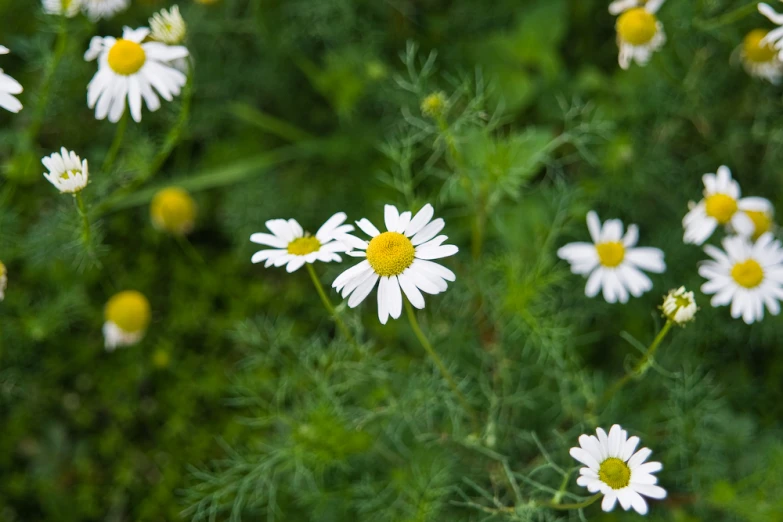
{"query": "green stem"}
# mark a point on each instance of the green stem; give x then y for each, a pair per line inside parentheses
(563, 485)
(575, 505)
(728, 18)
(438, 362)
(81, 208)
(642, 366)
(328, 303)
(46, 85)
(119, 133)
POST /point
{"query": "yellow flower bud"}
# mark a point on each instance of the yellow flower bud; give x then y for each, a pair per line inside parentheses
(173, 210)
(127, 317)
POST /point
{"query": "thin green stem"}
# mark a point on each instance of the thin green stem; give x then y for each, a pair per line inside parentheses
(119, 133)
(557, 497)
(726, 19)
(81, 208)
(328, 303)
(48, 79)
(642, 366)
(574, 505)
(438, 362)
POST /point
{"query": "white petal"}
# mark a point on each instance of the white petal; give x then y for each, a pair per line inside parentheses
(390, 216)
(295, 263)
(383, 309)
(362, 291)
(428, 232)
(411, 292)
(281, 229)
(367, 227)
(268, 239)
(594, 226)
(403, 222)
(609, 501)
(394, 297)
(420, 220)
(324, 233)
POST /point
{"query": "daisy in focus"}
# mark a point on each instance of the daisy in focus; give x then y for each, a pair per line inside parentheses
(399, 260)
(747, 275)
(679, 306)
(9, 87)
(173, 210)
(614, 470)
(98, 9)
(639, 32)
(612, 261)
(67, 8)
(721, 206)
(67, 171)
(759, 58)
(3, 280)
(168, 26)
(292, 247)
(129, 68)
(127, 318)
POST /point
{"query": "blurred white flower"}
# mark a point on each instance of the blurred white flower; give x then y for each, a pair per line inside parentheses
(97, 9)
(68, 8)
(128, 68)
(679, 306)
(721, 206)
(294, 248)
(747, 275)
(759, 58)
(612, 261)
(67, 171)
(127, 317)
(8, 87)
(168, 26)
(639, 32)
(398, 259)
(614, 470)
(775, 36)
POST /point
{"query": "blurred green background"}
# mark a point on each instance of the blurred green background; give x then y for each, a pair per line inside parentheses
(242, 401)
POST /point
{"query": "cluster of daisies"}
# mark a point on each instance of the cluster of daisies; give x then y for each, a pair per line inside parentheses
(640, 34)
(746, 274)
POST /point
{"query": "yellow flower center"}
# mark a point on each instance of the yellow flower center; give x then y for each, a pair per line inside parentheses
(68, 174)
(126, 57)
(615, 473)
(173, 210)
(129, 310)
(721, 207)
(610, 253)
(304, 245)
(434, 104)
(637, 26)
(754, 51)
(762, 222)
(748, 273)
(390, 253)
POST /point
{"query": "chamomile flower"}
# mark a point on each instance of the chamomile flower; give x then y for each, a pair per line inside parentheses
(293, 247)
(747, 275)
(67, 8)
(173, 210)
(759, 58)
(639, 32)
(763, 221)
(97, 9)
(679, 306)
(129, 68)
(127, 318)
(67, 171)
(775, 36)
(9, 87)
(612, 261)
(3, 280)
(721, 206)
(617, 470)
(168, 26)
(398, 259)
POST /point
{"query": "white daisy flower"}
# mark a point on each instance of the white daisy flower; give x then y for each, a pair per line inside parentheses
(775, 36)
(67, 8)
(747, 275)
(97, 9)
(613, 262)
(639, 33)
(397, 259)
(127, 318)
(168, 26)
(128, 68)
(3, 281)
(721, 206)
(293, 247)
(759, 58)
(67, 171)
(616, 471)
(679, 306)
(8, 87)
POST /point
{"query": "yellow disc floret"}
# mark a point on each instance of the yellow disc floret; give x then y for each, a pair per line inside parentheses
(615, 473)
(748, 273)
(434, 105)
(302, 246)
(129, 311)
(610, 253)
(126, 57)
(754, 50)
(637, 26)
(721, 207)
(390, 253)
(762, 222)
(173, 210)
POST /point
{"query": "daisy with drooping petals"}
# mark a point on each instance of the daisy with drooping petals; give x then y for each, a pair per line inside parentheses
(168, 26)
(67, 8)
(614, 470)
(639, 32)
(127, 318)
(130, 68)
(679, 306)
(613, 262)
(399, 259)
(747, 275)
(721, 206)
(67, 171)
(97, 9)
(759, 58)
(9, 87)
(293, 247)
